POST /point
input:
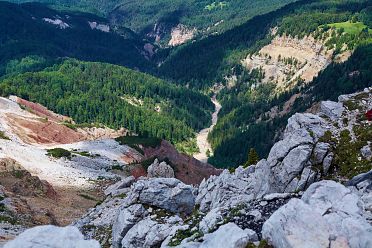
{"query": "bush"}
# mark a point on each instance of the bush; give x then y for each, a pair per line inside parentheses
(3, 136)
(59, 153)
(139, 140)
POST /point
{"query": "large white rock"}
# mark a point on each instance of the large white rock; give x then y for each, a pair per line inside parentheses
(332, 109)
(229, 236)
(296, 225)
(167, 193)
(52, 237)
(148, 233)
(126, 219)
(328, 215)
(210, 221)
(120, 185)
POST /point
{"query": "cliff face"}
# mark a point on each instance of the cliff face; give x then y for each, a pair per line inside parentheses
(313, 190)
(286, 60)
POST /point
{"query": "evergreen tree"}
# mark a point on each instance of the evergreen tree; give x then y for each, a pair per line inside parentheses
(253, 158)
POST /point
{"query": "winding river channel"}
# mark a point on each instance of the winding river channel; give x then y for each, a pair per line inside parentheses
(201, 137)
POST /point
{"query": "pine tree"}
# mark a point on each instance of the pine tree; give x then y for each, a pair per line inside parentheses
(253, 158)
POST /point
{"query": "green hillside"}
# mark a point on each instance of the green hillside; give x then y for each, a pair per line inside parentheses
(113, 95)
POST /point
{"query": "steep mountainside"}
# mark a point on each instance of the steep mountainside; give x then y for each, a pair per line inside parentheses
(282, 201)
(51, 171)
(33, 29)
(160, 21)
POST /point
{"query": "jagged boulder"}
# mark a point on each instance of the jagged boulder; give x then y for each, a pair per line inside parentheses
(121, 187)
(362, 185)
(332, 109)
(210, 221)
(149, 233)
(229, 236)
(52, 237)
(167, 193)
(125, 220)
(366, 151)
(162, 169)
(327, 215)
(225, 190)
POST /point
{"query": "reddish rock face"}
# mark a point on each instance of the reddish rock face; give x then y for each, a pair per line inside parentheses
(138, 171)
(186, 168)
(369, 115)
(19, 181)
(42, 111)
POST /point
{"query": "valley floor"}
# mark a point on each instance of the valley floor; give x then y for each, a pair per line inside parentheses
(202, 136)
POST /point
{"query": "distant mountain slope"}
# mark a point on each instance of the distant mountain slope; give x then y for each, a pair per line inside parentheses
(114, 96)
(33, 29)
(156, 19)
(249, 104)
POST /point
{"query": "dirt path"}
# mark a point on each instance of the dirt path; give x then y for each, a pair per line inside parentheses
(201, 137)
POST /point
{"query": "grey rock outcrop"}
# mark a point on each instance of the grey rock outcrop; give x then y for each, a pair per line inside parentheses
(148, 233)
(362, 185)
(120, 187)
(51, 236)
(288, 167)
(332, 109)
(126, 219)
(327, 215)
(162, 169)
(366, 151)
(210, 221)
(167, 193)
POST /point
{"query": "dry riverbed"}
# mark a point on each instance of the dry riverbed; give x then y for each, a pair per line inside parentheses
(202, 136)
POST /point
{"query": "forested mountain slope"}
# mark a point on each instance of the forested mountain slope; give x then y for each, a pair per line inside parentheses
(115, 96)
(246, 121)
(158, 18)
(208, 61)
(33, 29)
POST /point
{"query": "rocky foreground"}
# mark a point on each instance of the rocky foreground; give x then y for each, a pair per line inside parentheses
(313, 190)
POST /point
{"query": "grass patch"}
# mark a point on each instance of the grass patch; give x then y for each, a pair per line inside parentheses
(116, 167)
(351, 105)
(7, 219)
(139, 140)
(350, 27)
(121, 196)
(88, 197)
(75, 126)
(183, 234)
(59, 153)
(3, 136)
(86, 154)
(3, 207)
(188, 147)
(347, 160)
(327, 137)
